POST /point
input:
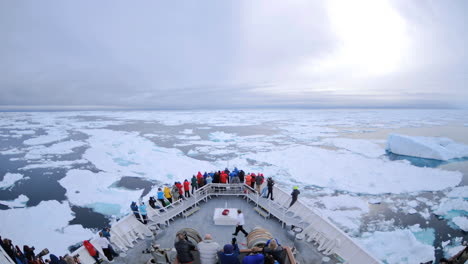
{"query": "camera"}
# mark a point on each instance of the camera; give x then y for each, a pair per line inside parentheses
(44, 252)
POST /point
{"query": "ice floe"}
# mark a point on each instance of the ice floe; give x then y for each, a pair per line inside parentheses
(344, 210)
(9, 179)
(461, 191)
(361, 146)
(53, 135)
(461, 222)
(95, 191)
(128, 154)
(401, 245)
(60, 148)
(16, 203)
(46, 163)
(13, 151)
(447, 205)
(220, 136)
(52, 230)
(355, 173)
(452, 247)
(426, 147)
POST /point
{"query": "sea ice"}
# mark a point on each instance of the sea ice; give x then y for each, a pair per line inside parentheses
(128, 154)
(12, 151)
(60, 148)
(9, 179)
(426, 147)
(220, 136)
(53, 232)
(355, 173)
(95, 190)
(446, 205)
(53, 164)
(187, 131)
(458, 192)
(461, 222)
(53, 135)
(360, 146)
(344, 210)
(18, 202)
(398, 246)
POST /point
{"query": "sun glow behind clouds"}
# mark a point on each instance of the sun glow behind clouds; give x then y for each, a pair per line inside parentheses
(371, 35)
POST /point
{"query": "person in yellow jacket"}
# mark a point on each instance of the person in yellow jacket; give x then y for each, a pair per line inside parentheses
(167, 194)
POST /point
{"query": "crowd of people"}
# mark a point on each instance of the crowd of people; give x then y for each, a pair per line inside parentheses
(166, 195)
(28, 256)
(210, 252)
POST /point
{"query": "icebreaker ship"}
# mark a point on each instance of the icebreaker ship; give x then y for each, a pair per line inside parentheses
(305, 235)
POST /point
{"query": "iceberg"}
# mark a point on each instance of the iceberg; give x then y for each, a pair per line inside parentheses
(437, 148)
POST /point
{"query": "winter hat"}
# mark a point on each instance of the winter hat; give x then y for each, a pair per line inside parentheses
(228, 249)
(295, 187)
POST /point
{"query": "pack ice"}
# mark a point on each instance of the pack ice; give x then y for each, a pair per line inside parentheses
(438, 148)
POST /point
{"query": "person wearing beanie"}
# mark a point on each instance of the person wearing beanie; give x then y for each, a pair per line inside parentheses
(229, 255)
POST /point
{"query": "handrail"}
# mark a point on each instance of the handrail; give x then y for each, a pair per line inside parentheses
(4, 258)
(241, 189)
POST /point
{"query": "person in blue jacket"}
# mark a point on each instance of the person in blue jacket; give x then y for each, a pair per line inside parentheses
(143, 212)
(229, 255)
(135, 211)
(254, 258)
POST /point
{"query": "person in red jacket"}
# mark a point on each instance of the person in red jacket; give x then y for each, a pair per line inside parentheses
(223, 177)
(187, 188)
(91, 250)
(200, 179)
(181, 190)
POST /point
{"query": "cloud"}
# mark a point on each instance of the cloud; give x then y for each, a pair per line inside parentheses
(218, 54)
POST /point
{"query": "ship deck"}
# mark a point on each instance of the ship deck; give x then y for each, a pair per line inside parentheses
(203, 222)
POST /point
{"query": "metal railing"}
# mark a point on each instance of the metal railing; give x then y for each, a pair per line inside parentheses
(330, 239)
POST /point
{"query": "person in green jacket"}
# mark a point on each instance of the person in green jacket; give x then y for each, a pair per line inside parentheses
(194, 183)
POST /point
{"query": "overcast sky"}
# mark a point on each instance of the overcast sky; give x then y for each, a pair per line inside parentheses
(229, 54)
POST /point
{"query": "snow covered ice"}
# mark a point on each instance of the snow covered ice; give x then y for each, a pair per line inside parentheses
(342, 171)
(426, 147)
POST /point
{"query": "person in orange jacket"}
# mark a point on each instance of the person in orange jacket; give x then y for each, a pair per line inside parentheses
(252, 181)
(248, 179)
(187, 188)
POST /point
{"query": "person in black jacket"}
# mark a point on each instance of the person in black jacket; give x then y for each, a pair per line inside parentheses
(241, 175)
(184, 247)
(294, 195)
(270, 183)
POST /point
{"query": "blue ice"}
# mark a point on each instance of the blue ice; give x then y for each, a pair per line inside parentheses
(426, 236)
(105, 208)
